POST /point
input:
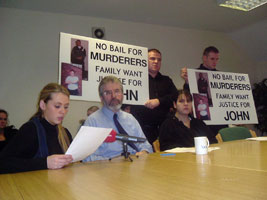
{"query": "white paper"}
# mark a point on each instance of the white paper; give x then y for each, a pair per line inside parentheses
(258, 138)
(188, 149)
(86, 142)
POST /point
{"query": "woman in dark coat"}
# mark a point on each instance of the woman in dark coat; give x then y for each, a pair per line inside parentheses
(180, 129)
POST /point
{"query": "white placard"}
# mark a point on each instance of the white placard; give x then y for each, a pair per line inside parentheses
(222, 97)
(101, 58)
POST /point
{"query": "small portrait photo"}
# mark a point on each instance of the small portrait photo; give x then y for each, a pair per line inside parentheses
(203, 85)
(79, 58)
(201, 106)
(71, 78)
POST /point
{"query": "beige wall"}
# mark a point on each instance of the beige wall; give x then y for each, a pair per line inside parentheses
(30, 45)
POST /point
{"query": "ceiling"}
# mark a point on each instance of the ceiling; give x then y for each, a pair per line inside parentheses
(195, 14)
(192, 14)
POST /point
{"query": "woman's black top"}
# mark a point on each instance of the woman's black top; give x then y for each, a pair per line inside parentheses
(9, 133)
(173, 133)
(19, 154)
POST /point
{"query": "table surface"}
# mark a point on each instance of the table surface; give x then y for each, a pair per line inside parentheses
(238, 170)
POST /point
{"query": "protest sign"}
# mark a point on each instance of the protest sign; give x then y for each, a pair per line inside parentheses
(84, 61)
(222, 97)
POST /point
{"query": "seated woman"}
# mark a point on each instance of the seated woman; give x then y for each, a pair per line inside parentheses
(6, 132)
(42, 141)
(179, 130)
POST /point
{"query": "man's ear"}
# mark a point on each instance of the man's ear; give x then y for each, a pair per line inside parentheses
(42, 105)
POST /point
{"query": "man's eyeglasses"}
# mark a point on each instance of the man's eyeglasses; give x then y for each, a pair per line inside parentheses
(114, 92)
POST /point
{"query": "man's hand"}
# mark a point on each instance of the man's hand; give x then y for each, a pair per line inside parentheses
(58, 161)
(152, 103)
(183, 74)
(140, 153)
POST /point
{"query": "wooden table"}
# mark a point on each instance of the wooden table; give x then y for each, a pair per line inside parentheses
(237, 171)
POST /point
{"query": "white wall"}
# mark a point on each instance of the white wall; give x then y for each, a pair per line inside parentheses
(248, 40)
(30, 45)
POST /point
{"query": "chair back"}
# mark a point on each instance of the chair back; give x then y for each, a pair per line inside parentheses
(234, 133)
(156, 146)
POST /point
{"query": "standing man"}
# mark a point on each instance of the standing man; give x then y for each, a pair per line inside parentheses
(210, 59)
(110, 91)
(162, 93)
(78, 54)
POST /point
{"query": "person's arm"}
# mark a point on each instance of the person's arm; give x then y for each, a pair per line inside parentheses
(76, 80)
(186, 87)
(58, 161)
(84, 53)
(183, 74)
(152, 103)
(19, 157)
(68, 81)
(73, 56)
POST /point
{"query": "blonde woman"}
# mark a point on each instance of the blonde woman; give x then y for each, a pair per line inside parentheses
(42, 141)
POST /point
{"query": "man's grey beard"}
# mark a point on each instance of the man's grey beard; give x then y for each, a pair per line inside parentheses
(115, 108)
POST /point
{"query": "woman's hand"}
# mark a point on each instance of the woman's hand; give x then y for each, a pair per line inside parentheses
(58, 161)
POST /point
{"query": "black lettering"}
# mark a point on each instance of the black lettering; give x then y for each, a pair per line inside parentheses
(130, 95)
(237, 115)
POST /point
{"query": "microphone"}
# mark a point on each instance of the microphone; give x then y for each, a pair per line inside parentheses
(124, 138)
(128, 138)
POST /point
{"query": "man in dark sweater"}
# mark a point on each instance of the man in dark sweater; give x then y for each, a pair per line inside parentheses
(162, 93)
(210, 59)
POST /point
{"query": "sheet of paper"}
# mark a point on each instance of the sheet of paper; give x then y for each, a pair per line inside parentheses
(86, 142)
(188, 149)
(258, 138)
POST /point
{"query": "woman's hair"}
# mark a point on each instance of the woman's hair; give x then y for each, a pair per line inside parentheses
(46, 95)
(186, 93)
(5, 112)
